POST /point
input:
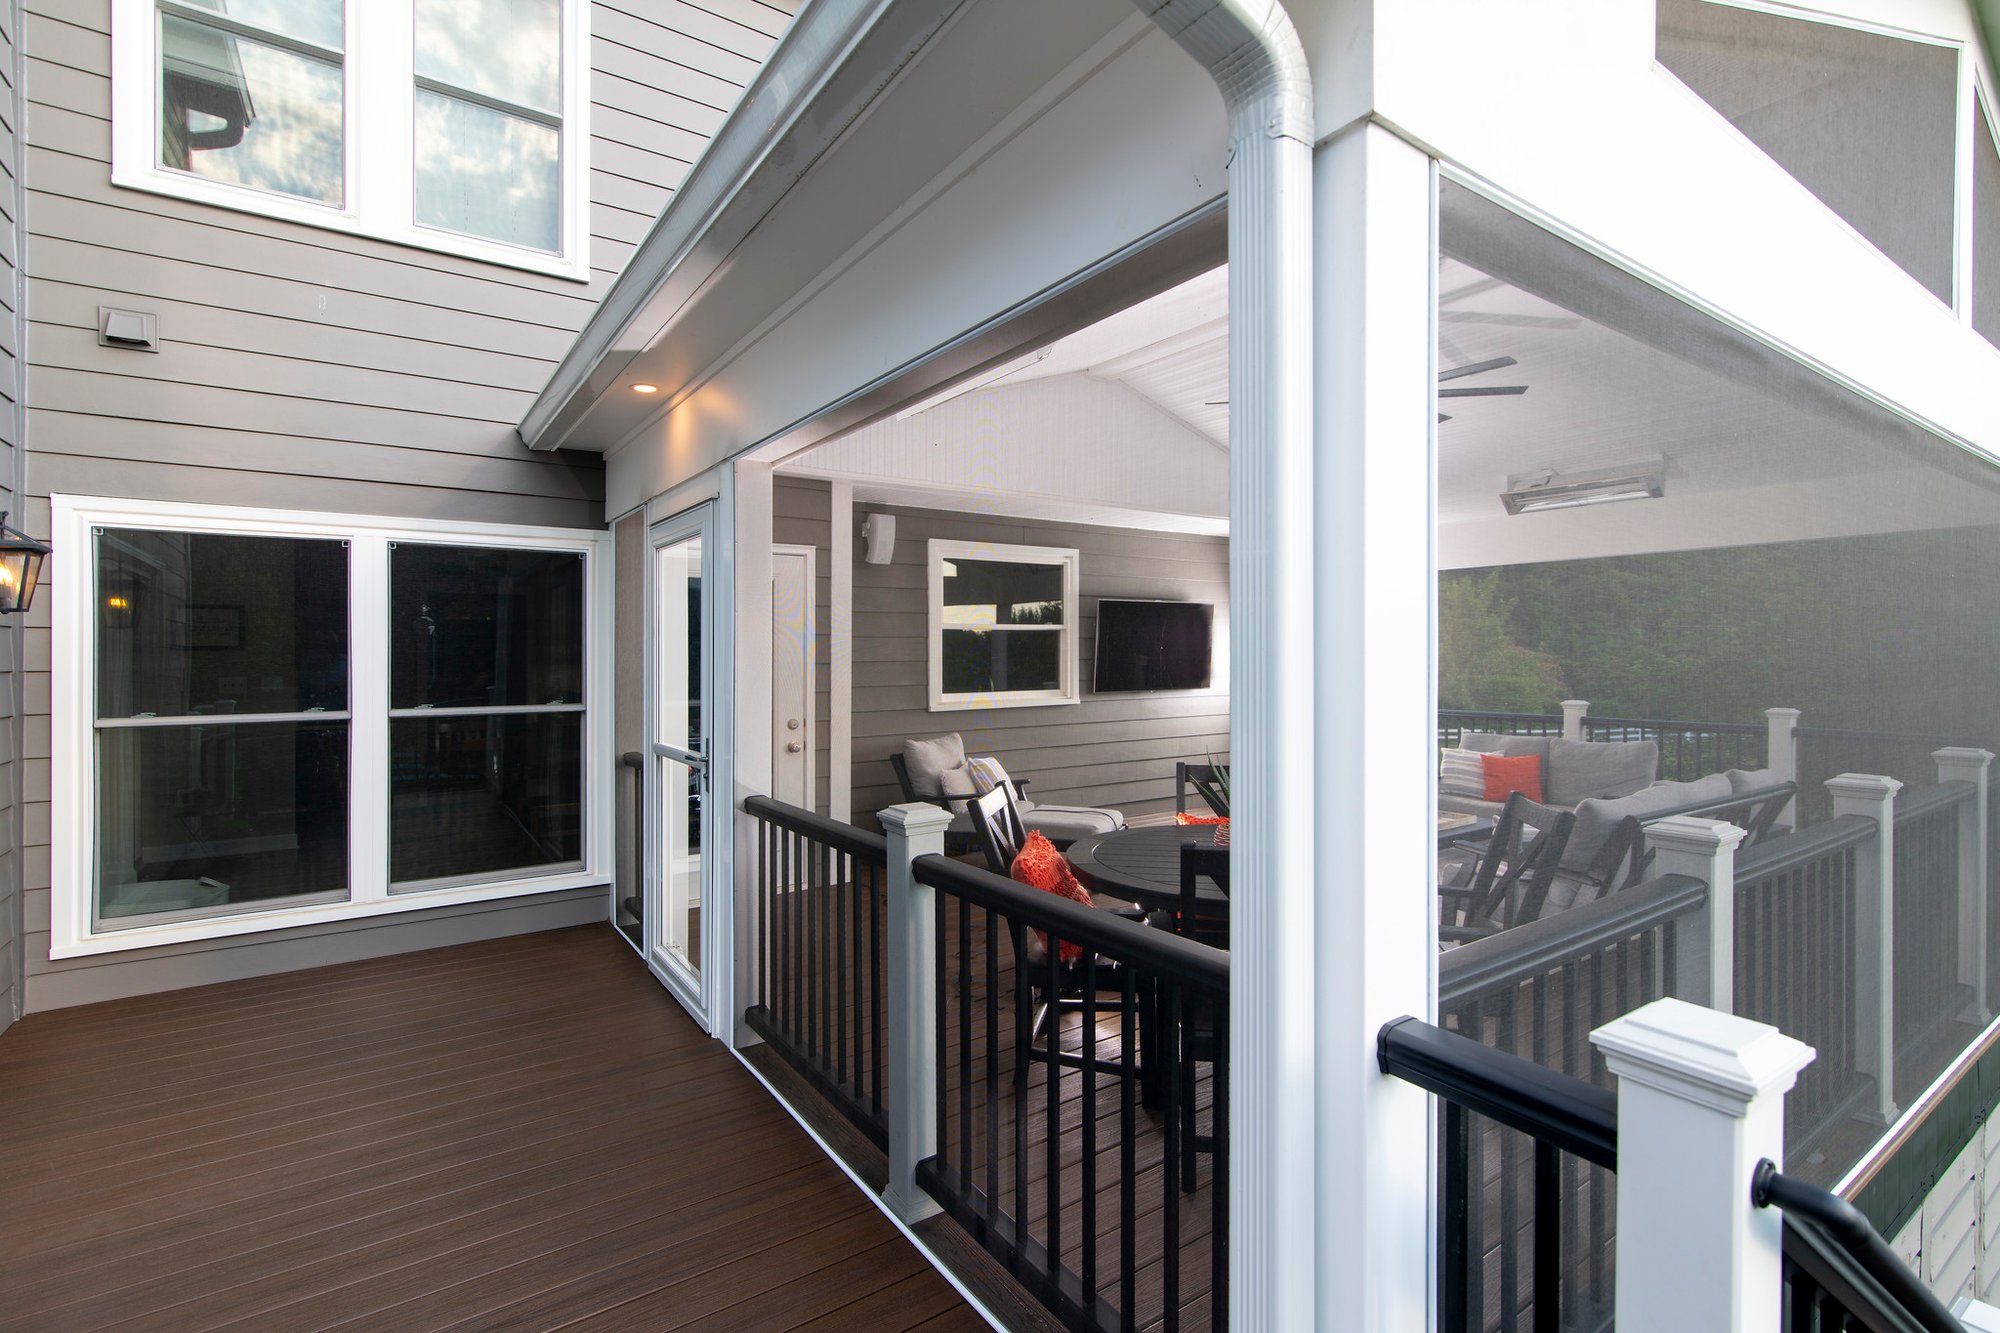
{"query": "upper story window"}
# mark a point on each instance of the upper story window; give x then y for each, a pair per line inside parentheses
(1002, 625)
(1985, 224)
(455, 125)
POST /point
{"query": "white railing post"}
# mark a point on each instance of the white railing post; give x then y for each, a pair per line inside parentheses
(1958, 764)
(1705, 849)
(914, 830)
(1781, 754)
(1874, 796)
(1701, 1100)
(1574, 712)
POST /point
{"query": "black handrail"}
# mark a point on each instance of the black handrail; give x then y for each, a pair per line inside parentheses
(1842, 1223)
(1776, 856)
(1926, 800)
(1463, 713)
(1161, 952)
(1679, 724)
(1729, 802)
(872, 847)
(1846, 734)
(1566, 1112)
(1536, 946)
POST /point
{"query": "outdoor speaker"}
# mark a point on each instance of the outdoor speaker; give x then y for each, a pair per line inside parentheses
(879, 532)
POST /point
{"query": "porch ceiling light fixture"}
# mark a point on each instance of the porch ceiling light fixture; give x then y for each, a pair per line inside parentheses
(1533, 492)
(21, 559)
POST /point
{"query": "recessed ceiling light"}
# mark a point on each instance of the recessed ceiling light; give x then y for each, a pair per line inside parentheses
(645, 388)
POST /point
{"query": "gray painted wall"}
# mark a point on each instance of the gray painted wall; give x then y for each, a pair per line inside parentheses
(12, 460)
(308, 369)
(802, 510)
(1117, 750)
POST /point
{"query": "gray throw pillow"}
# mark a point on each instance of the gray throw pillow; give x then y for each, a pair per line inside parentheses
(1598, 819)
(1751, 779)
(1461, 773)
(1579, 770)
(930, 759)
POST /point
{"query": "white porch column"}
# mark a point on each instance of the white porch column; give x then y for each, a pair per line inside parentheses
(1781, 753)
(1701, 1100)
(1375, 841)
(1875, 924)
(914, 830)
(1706, 850)
(1957, 764)
(1574, 712)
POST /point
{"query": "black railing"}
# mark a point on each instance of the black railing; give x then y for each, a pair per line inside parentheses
(1689, 750)
(1455, 722)
(1566, 1120)
(1535, 993)
(1928, 994)
(1839, 1274)
(1796, 967)
(1093, 1165)
(820, 948)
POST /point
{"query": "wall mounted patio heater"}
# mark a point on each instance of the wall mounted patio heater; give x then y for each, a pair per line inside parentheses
(1533, 492)
(20, 567)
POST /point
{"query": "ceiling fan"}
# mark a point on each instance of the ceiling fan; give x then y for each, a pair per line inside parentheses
(1459, 373)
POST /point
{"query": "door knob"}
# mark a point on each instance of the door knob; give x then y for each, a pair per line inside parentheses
(793, 747)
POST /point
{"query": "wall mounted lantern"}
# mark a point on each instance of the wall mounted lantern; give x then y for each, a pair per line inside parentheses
(21, 559)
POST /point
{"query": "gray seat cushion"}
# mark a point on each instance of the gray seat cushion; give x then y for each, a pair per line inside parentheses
(1597, 819)
(930, 759)
(1467, 805)
(1067, 823)
(1580, 770)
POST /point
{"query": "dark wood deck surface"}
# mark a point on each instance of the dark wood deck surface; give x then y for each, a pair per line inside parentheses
(521, 1134)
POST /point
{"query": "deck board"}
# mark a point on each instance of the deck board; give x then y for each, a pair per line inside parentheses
(525, 1133)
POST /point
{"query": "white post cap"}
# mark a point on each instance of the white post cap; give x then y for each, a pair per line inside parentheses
(1777, 714)
(1863, 786)
(1713, 1059)
(1689, 833)
(1969, 755)
(915, 819)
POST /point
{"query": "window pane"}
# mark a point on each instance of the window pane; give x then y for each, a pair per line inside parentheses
(509, 49)
(1868, 123)
(193, 818)
(1001, 661)
(474, 628)
(1001, 592)
(1986, 231)
(473, 795)
(484, 173)
(315, 21)
(190, 623)
(240, 111)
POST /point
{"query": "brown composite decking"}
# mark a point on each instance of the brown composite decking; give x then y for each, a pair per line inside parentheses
(521, 1134)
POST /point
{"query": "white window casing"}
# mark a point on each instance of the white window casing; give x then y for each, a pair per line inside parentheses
(73, 719)
(1068, 690)
(379, 135)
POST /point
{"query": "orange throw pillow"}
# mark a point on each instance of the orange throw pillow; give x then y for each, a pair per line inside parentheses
(1184, 819)
(1041, 866)
(1506, 774)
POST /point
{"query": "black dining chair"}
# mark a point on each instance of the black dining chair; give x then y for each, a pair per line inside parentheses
(1511, 882)
(1200, 1031)
(998, 827)
(1208, 781)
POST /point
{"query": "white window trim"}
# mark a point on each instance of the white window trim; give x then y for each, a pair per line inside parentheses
(72, 933)
(940, 551)
(379, 113)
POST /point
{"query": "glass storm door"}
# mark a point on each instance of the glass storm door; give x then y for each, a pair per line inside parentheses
(678, 750)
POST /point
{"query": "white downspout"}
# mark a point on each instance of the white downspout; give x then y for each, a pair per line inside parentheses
(1252, 52)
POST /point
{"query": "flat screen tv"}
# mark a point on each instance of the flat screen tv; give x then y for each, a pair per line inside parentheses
(1144, 646)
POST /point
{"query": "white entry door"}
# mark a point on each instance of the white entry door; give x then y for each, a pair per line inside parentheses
(794, 756)
(679, 817)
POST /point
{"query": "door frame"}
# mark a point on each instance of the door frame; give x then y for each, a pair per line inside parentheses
(811, 710)
(699, 990)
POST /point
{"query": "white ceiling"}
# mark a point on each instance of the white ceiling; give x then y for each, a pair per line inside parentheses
(1791, 466)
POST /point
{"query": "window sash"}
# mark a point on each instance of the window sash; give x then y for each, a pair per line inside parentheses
(1068, 689)
(75, 929)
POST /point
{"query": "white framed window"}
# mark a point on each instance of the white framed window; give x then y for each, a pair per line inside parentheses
(265, 719)
(454, 125)
(1003, 625)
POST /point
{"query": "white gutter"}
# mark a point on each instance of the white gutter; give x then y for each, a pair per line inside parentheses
(1252, 52)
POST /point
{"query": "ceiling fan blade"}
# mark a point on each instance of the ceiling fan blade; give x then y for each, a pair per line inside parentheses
(1476, 368)
(1488, 391)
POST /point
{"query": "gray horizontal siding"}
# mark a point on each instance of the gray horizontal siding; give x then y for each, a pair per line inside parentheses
(1112, 750)
(802, 515)
(16, 773)
(308, 369)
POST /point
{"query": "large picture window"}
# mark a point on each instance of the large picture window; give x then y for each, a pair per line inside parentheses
(1002, 625)
(265, 720)
(281, 107)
